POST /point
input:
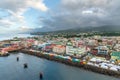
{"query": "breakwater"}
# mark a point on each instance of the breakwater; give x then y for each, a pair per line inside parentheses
(81, 64)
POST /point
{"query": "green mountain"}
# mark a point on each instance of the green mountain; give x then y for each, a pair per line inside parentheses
(83, 29)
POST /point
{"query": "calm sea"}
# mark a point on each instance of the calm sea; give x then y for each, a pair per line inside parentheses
(10, 36)
(10, 69)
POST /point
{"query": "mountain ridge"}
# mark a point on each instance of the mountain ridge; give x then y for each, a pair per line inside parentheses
(85, 29)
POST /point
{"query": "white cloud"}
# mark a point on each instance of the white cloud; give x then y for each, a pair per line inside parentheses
(6, 23)
(16, 9)
(24, 28)
(87, 12)
(16, 16)
(38, 4)
(21, 5)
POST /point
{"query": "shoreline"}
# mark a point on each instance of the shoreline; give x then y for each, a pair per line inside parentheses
(75, 64)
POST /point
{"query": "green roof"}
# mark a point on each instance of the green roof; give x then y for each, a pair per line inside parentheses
(115, 55)
(59, 43)
(69, 44)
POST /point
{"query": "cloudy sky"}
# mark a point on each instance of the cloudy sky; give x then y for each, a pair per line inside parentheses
(48, 15)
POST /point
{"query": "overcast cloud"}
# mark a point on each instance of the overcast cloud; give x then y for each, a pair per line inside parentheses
(84, 13)
(16, 14)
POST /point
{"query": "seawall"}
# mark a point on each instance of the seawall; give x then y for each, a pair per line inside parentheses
(76, 64)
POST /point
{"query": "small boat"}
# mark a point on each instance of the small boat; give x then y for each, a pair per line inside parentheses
(41, 75)
(25, 66)
(17, 58)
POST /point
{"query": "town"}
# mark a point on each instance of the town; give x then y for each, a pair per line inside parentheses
(99, 51)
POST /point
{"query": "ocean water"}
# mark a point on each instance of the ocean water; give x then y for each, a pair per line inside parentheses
(10, 36)
(10, 69)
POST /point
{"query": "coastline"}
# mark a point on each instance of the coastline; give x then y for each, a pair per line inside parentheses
(11, 36)
(69, 62)
(75, 64)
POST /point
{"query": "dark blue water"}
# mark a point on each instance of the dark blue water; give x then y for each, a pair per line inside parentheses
(10, 69)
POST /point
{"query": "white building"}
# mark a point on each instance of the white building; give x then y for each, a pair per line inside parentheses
(70, 50)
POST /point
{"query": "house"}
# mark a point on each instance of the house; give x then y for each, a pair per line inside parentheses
(103, 50)
(71, 50)
(100, 50)
(117, 47)
(59, 49)
(94, 51)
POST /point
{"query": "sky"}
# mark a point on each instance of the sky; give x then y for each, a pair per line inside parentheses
(18, 16)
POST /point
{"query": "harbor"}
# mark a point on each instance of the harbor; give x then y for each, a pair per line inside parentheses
(71, 62)
(59, 40)
(37, 65)
(93, 57)
(74, 62)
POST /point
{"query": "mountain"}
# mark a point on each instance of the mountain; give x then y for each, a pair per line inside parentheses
(83, 29)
